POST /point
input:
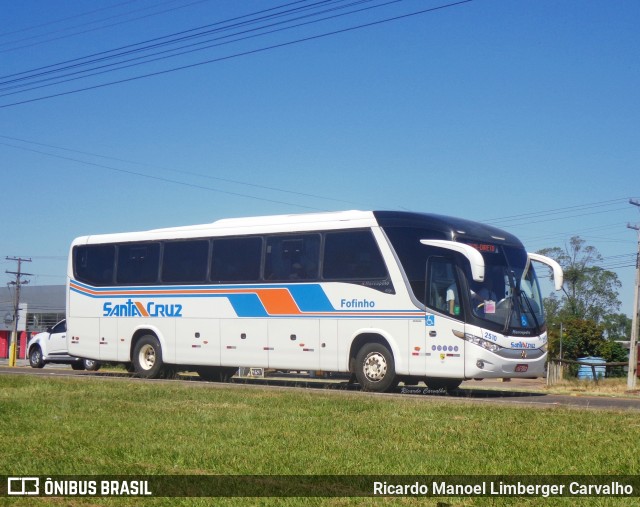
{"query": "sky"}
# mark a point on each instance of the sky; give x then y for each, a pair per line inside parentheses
(121, 116)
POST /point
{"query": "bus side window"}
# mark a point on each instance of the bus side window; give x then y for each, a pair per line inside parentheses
(138, 263)
(236, 260)
(352, 255)
(94, 263)
(185, 261)
(292, 257)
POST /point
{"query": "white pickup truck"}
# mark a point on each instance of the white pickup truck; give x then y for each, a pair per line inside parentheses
(51, 347)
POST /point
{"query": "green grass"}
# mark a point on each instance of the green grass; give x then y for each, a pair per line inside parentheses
(81, 426)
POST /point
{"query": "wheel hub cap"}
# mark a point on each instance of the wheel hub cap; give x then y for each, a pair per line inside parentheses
(375, 367)
(147, 357)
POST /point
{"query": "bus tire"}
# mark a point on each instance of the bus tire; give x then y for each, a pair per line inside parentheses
(375, 368)
(147, 358)
(35, 357)
(91, 364)
(446, 384)
(77, 366)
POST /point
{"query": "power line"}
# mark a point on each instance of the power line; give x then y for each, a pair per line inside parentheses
(537, 214)
(182, 50)
(62, 20)
(90, 23)
(243, 53)
(226, 180)
(143, 45)
(167, 180)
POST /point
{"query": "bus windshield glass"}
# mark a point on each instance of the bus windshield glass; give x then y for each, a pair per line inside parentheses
(510, 295)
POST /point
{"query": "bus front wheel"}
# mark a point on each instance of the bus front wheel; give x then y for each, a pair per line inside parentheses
(147, 357)
(375, 368)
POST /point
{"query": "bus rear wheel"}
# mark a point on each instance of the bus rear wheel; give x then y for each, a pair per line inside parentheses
(375, 368)
(147, 358)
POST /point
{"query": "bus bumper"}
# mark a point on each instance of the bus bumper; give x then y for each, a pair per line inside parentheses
(485, 364)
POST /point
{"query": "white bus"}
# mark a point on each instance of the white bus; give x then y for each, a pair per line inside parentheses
(386, 296)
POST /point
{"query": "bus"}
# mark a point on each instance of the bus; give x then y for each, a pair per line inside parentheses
(384, 296)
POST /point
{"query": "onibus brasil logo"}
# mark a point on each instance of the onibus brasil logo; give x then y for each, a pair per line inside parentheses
(138, 309)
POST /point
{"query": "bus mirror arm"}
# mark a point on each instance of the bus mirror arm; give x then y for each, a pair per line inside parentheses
(473, 256)
(558, 276)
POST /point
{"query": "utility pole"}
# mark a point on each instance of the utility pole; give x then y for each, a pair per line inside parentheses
(18, 283)
(633, 342)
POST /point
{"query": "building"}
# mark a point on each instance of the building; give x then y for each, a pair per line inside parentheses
(42, 306)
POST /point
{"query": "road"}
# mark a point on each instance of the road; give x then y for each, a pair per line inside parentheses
(530, 392)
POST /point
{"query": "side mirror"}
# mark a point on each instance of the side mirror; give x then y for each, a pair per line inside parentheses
(558, 275)
(473, 256)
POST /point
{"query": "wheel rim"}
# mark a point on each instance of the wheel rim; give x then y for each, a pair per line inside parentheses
(375, 367)
(35, 356)
(147, 357)
(88, 363)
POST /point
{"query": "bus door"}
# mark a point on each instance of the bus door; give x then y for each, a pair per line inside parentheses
(444, 318)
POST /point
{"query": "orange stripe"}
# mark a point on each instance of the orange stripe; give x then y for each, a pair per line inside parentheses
(278, 302)
(141, 309)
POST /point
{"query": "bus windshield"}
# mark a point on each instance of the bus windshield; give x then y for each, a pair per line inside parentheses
(510, 295)
(508, 298)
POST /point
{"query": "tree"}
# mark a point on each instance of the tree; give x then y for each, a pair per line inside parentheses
(617, 326)
(590, 292)
(580, 338)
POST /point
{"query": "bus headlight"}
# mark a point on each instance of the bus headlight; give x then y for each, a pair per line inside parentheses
(481, 342)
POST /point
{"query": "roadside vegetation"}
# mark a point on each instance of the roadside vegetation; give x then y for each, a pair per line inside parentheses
(583, 319)
(87, 426)
(604, 387)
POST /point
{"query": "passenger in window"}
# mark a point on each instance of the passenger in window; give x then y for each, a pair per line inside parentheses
(453, 301)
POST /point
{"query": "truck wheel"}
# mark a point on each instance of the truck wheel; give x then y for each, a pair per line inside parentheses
(375, 368)
(35, 357)
(147, 358)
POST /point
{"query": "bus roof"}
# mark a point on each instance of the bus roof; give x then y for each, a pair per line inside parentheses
(452, 228)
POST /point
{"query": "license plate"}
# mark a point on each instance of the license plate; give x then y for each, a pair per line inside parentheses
(521, 368)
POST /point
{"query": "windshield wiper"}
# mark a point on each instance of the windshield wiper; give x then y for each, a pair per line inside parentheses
(523, 297)
(514, 291)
